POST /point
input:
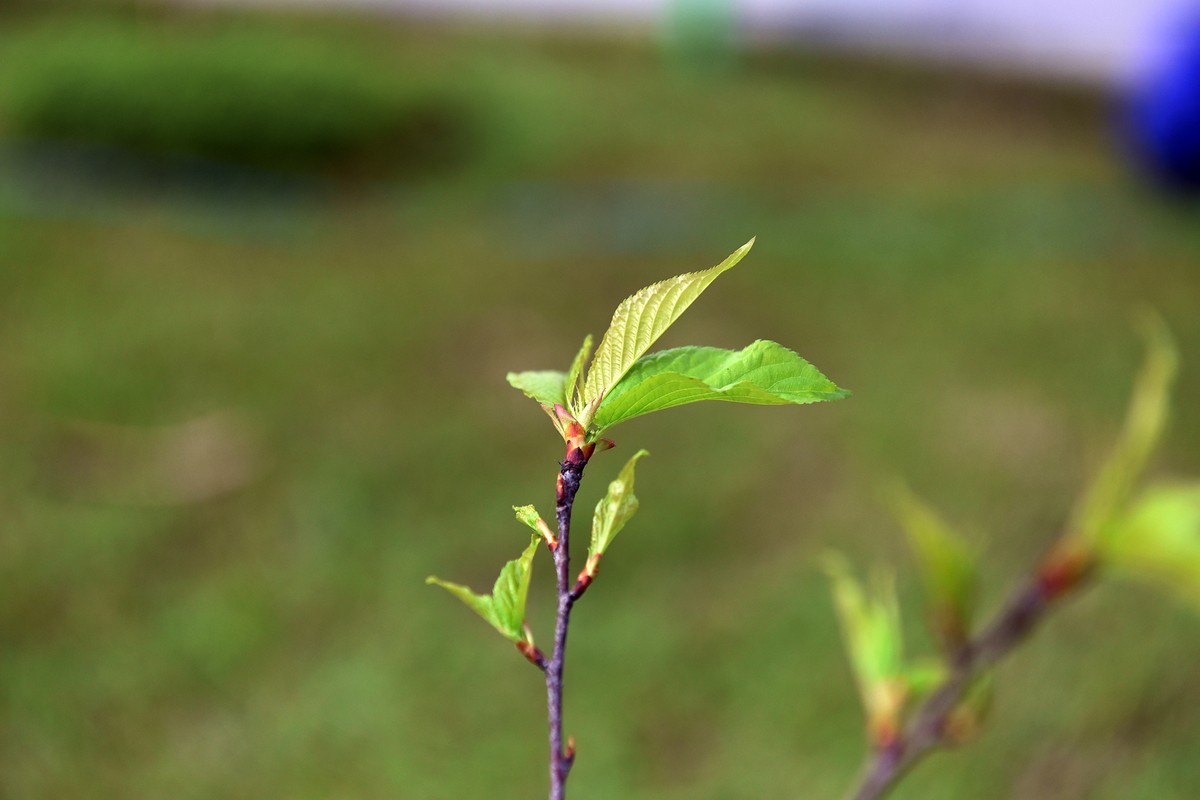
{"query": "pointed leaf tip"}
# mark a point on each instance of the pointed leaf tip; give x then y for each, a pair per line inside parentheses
(641, 319)
(762, 373)
(613, 511)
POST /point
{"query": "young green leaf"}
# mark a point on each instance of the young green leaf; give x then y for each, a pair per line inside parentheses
(874, 642)
(1144, 423)
(1159, 539)
(530, 516)
(638, 322)
(763, 373)
(574, 390)
(547, 386)
(505, 609)
(612, 512)
(949, 574)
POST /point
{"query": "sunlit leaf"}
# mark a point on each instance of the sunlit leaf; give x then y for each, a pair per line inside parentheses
(638, 322)
(763, 373)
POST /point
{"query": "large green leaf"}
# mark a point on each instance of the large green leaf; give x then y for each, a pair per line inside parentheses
(764, 373)
(505, 609)
(639, 320)
(615, 509)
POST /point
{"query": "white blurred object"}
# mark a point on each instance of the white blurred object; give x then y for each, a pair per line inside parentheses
(1091, 39)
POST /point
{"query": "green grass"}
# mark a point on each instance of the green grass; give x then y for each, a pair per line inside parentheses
(965, 255)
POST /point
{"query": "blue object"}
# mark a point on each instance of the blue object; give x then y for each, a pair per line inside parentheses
(1164, 111)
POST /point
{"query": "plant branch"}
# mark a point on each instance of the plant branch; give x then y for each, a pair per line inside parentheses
(929, 727)
(569, 475)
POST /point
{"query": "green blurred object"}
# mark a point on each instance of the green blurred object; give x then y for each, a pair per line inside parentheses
(874, 640)
(241, 94)
(1108, 495)
(948, 569)
(1158, 540)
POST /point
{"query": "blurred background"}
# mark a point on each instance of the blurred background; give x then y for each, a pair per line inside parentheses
(263, 269)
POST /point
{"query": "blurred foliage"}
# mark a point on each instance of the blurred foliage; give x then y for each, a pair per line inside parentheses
(244, 94)
(962, 252)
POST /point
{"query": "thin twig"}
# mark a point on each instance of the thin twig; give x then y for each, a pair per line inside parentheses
(569, 475)
(928, 729)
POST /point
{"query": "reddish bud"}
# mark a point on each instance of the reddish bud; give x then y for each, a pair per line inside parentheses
(1065, 566)
(531, 652)
(582, 583)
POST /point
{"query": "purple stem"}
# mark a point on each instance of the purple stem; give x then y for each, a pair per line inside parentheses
(569, 475)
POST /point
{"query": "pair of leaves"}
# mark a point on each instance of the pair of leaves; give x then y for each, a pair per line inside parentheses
(872, 630)
(623, 382)
(504, 610)
(887, 683)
